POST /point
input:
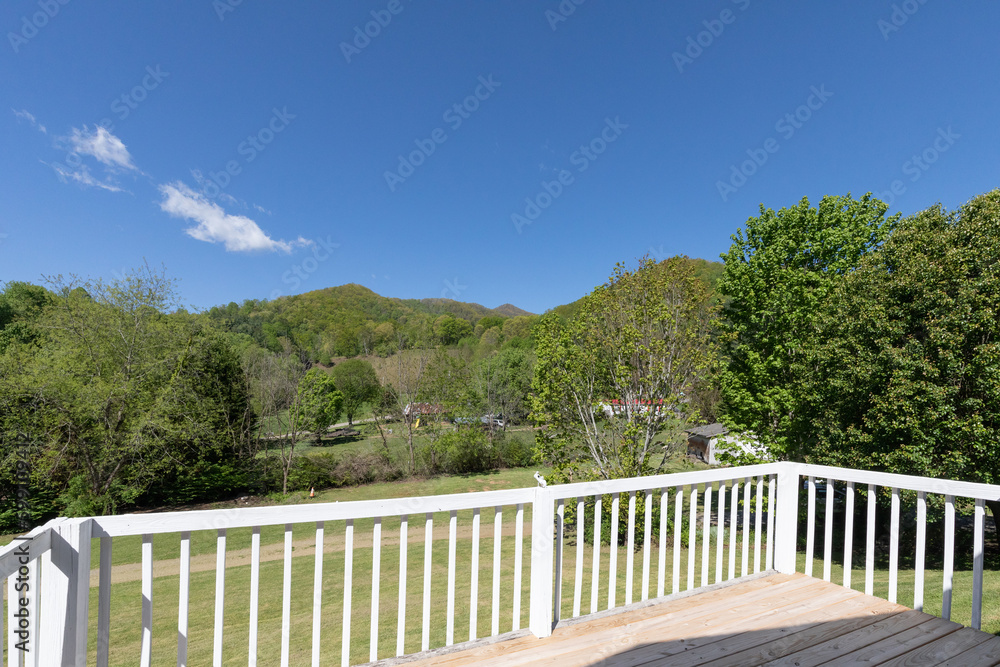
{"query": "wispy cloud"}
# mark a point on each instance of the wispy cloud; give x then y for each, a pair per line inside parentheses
(101, 145)
(82, 175)
(23, 114)
(237, 232)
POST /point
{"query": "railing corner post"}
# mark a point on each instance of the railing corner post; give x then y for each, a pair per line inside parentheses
(786, 519)
(542, 549)
(65, 589)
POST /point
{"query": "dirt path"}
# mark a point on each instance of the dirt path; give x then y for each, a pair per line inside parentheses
(300, 548)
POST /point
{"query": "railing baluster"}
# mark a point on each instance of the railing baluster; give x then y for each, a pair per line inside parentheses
(183, 595)
(401, 609)
(870, 543)
(848, 534)
(918, 574)
(497, 534)
(560, 521)
(894, 546)
(595, 574)
(317, 593)
(720, 535)
(692, 534)
(769, 560)
(104, 605)
(254, 593)
(578, 579)
(661, 574)
(518, 551)
(613, 555)
(706, 539)
(146, 651)
(678, 517)
(425, 636)
(744, 565)
(758, 524)
(474, 593)
(376, 580)
(733, 526)
(220, 595)
(828, 532)
(810, 524)
(630, 549)
(452, 555)
(977, 566)
(286, 597)
(646, 537)
(345, 638)
(949, 556)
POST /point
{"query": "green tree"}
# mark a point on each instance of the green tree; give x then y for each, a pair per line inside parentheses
(908, 379)
(356, 380)
(779, 275)
(319, 402)
(612, 382)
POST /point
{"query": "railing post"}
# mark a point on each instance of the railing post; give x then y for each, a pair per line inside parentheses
(65, 588)
(542, 542)
(786, 518)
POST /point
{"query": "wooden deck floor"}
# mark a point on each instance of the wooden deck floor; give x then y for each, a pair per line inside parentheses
(775, 620)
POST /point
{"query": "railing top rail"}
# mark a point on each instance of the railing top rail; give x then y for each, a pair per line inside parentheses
(26, 548)
(908, 482)
(174, 522)
(580, 489)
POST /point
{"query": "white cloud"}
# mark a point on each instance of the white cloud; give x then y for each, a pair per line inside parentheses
(83, 176)
(102, 145)
(237, 232)
(23, 114)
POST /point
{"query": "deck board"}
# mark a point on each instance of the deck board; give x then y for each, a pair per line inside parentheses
(773, 620)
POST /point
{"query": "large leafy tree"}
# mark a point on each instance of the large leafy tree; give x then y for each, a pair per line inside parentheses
(319, 403)
(357, 382)
(611, 384)
(779, 275)
(116, 393)
(908, 378)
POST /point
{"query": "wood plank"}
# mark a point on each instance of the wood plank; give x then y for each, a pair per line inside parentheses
(942, 649)
(567, 637)
(846, 616)
(899, 643)
(708, 639)
(673, 633)
(987, 653)
(844, 644)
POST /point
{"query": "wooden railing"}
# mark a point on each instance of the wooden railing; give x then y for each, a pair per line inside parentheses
(738, 522)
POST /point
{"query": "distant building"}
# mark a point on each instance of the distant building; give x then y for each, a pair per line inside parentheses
(418, 410)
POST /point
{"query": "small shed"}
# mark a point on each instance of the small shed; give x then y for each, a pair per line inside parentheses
(703, 442)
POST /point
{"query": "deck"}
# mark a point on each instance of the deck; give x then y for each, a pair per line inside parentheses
(778, 619)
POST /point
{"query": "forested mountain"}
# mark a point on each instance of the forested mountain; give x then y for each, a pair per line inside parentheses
(351, 320)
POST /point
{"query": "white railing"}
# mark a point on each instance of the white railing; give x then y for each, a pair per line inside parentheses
(738, 522)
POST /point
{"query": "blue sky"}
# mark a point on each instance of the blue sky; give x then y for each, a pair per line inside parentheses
(484, 151)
